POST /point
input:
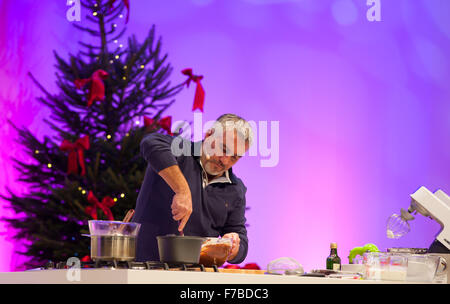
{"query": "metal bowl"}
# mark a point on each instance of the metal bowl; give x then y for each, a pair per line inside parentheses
(407, 250)
(113, 247)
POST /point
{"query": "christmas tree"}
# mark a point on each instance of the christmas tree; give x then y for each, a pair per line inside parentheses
(90, 168)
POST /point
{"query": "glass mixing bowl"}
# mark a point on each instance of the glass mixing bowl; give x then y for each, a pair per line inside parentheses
(215, 251)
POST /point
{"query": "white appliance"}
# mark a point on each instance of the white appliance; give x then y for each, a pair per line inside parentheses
(433, 205)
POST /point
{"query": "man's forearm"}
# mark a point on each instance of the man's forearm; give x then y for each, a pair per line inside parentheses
(182, 201)
(175, 179)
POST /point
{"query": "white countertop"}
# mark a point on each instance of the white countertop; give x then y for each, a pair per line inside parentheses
(130, 276)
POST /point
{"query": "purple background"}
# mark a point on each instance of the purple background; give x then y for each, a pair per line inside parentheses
(363, 107)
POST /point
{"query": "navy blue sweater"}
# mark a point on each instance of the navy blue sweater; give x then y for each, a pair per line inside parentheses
(217, 209)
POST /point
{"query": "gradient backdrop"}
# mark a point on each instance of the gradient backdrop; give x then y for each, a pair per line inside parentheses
(363, 107)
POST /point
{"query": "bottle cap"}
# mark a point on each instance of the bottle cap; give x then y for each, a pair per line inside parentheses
(333, 245)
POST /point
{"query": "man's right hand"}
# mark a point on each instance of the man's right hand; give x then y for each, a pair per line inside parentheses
(182, 200)
(181, 208)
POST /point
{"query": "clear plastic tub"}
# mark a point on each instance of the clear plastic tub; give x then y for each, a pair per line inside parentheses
(385, 266)
(423, 267)
(113, 228)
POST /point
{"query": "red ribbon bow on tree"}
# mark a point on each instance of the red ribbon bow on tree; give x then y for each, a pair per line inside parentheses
(199, 98)
(127, 5)
(97, 89)
(105, 205)
(76, 151)
(86, 258)
(165, 123)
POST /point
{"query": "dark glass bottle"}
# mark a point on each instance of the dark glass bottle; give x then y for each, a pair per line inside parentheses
(333, 260)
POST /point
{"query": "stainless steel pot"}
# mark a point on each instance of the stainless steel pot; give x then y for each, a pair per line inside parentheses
(113, 240)
(113, 247)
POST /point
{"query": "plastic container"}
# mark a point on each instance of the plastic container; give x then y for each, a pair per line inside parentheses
(113, 228)
(215, 251)
(424, 267)
(385, 266)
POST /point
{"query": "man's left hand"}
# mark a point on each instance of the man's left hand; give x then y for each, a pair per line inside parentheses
(235, 244)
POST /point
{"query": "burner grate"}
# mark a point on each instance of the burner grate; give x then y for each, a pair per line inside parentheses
(148, 265)
(187, 267)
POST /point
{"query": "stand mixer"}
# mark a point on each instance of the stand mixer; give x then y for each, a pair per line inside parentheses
(433, 205)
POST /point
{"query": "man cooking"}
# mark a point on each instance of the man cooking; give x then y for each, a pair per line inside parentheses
(194, 193)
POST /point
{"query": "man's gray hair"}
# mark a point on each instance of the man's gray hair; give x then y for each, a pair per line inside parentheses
(233, 121)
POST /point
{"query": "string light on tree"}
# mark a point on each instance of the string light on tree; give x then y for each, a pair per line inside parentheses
(49, 165)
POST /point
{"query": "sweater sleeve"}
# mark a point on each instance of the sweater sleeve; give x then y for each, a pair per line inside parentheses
(156, 150)
(236, 223)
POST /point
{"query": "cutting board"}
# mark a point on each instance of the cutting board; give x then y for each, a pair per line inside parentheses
(246, 271)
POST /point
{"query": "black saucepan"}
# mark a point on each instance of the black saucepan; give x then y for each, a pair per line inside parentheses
(179, 249)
